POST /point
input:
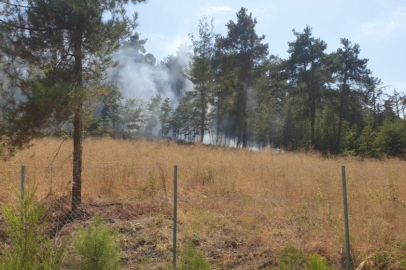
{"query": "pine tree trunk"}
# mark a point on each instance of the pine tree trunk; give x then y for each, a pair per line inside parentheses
(340, 124)
(374, 102)
(245, 134)
(78, 124)
(77, 160)
(244, 131)
(313, 122)
(202, 128)
(218, 120)
(203, 113)
(341, 115)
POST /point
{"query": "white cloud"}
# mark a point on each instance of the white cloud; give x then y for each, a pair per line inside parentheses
(376, 30)
(220, 13)
(211, 10)
(264, 14)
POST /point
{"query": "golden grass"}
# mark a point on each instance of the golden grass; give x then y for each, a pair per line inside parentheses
(264, 199)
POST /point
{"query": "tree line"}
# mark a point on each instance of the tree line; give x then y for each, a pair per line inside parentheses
(59, 72)
(244, 97)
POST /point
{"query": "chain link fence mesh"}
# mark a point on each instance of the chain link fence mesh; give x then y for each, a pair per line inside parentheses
(131, 214)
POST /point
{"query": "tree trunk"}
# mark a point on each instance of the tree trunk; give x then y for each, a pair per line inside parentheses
(218, 121)
(202, 128)
(244, 114)
(374, 103)
(78, 124)
(313, 121)
(341, 116)
(245, 134)
(203, 113)
(340, 124)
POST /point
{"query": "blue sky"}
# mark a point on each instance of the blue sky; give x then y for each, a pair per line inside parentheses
(379, 26)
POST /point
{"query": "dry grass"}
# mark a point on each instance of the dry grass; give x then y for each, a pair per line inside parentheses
(238, 205)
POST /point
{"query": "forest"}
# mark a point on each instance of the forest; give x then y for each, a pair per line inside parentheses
(93, 128)
(223, 90)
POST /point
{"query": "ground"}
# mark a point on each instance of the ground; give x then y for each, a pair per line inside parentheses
(240, 208)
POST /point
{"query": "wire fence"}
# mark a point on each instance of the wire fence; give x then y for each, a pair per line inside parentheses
(130, 216)
(126, 216)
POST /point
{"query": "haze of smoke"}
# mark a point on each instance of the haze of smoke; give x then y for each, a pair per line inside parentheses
(137, 78)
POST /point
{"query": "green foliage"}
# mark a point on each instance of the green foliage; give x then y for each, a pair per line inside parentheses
(185, 119)
(295, 132)
(93, 125)
(291, 258)
(152, 115)
(165, 117)
(367, 142)
(192, 259)
(350, 142)
(55, 85)
(262, 124)
(391, 139)
(308, 70)
(96, 247)
(201, 74)
(380, 259)
(111, 101)
(242, 51)
(56, 54)
(30, 248)
(240, 95)
(132, 116)
(317, 262)
(348, 69)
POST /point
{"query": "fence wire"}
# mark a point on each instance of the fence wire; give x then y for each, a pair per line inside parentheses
(59, 222)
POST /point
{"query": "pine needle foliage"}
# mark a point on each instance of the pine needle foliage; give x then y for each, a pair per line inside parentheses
(28, 248)
(96, 247)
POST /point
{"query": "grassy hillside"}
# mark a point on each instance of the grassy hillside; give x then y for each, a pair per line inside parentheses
(239, 207)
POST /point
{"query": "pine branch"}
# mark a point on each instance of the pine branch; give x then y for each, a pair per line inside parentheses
(16, 5)
(35, 29)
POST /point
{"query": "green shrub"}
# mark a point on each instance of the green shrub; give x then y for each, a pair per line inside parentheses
(192, 259)
(291, 258)
(391, 139)
(317, 262)
(96, 247)
(366, 142)
(380, 259)
(29, 248)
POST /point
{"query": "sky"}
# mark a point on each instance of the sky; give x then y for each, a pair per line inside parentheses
(378, 26)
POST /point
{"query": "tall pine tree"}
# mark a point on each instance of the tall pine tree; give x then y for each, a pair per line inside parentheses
(308, 71)
(350, 73)
(200, 72)
(244, 51)
(54, 52)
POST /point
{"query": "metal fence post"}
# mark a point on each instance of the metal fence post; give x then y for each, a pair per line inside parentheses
(347, 230)
(22, 193)
(175, 212)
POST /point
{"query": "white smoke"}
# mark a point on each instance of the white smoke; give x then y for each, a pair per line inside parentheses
(137, 78)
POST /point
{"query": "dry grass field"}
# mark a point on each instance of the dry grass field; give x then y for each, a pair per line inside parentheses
(240, 207)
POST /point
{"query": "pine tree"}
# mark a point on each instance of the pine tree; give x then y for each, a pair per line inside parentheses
(350, 71)
(132, 116)
(165, 117)
(244, 52)
(152, 115)
(308, 71)
(54, 52)
(200, 71)
(111, 102)
(373, 93)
